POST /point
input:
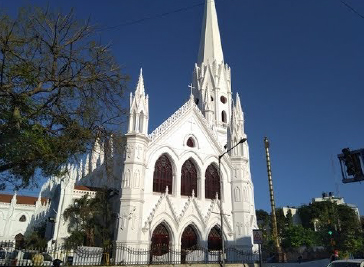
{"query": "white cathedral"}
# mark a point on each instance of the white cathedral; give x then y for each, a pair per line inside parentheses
(171, 189)
(169, 181)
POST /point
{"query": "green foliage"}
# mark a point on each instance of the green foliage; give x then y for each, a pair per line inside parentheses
(297, 236)
(341, 220)
(263, 219)
(59, 91)
(90, 221)
(36, 238)
(281, 221)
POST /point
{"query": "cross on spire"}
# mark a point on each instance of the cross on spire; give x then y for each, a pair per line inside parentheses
(191, 87)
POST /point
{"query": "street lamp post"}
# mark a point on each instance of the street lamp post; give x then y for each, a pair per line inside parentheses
(221, 211)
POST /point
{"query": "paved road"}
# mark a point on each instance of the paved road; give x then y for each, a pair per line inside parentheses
(319, 263)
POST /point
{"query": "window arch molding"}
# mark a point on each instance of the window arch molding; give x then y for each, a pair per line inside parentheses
(224, 168)
(195, 141)
(198, 162)
(194, 222)
(152, 159)
(195, 227)
(169, 223)
(215, 223)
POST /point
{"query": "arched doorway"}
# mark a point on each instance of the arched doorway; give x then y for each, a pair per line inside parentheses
(189, 241)
(160, 240)
(214, 239)
(19, 241)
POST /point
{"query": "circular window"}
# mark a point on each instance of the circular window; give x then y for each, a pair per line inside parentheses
(223, 99)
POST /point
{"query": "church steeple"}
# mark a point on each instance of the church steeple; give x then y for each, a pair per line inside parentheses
(211, 76)
(139, 109)
(210, 43)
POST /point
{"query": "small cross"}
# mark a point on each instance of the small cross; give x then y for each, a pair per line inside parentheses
(191, 121)
(191, 87)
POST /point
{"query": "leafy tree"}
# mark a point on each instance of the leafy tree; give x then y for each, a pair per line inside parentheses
(82, 223)
(281, 221)
(263, 219)
(297, 236)
(60, 90)
(90, 220)
(289, 219)
(36, 238)
(338, 226)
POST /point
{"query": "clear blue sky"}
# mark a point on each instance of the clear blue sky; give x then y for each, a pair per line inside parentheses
(297, 65)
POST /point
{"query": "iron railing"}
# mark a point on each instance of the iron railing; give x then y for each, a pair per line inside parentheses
(117, 254)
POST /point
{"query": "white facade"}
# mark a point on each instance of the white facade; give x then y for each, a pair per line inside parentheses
(208, 124)
(19, 214)
(212, 121)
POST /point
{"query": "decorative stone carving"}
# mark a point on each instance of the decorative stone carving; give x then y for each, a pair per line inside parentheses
(237, 194)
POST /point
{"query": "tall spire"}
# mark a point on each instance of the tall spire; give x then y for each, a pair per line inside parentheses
(210, 43)
(140, 86)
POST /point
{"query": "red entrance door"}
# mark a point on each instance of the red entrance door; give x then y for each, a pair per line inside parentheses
(189, 238)
(160, 241)
(214, 242)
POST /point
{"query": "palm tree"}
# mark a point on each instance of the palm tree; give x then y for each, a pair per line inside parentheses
(81, 216)
(89, 220)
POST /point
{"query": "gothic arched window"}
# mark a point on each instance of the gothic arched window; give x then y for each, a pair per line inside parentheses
(188, 178)
(162, 176)
(190, 142)
(223, 116)
(214, 240)
(212, 182)
(141, 122)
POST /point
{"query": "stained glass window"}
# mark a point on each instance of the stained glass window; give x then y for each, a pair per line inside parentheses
(162, 176)
(190, 142)
(212, 182)
(188, 179)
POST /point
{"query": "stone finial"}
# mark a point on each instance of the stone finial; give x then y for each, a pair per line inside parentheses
(167, 190)
(193, 193)
(13, 200)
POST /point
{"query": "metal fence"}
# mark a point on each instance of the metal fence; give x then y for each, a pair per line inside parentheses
(116, 254)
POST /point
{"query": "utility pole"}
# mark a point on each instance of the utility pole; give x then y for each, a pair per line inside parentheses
(272, 203)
